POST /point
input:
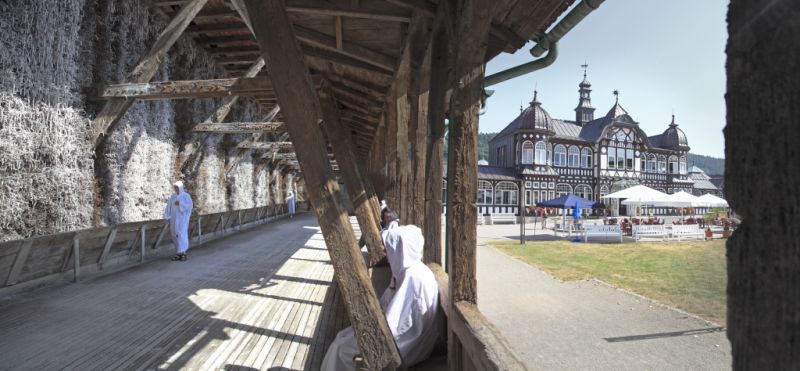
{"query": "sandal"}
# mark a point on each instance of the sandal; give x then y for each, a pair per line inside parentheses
(176, 257)
(183, 257)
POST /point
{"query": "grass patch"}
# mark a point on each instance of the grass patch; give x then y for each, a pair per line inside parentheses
(688, 275)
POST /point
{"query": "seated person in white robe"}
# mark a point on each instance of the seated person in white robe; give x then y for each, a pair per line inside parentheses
(410, 304)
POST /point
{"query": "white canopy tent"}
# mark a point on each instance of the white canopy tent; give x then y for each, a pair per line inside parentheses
(679, 199)
(710, 200)
(637, 195)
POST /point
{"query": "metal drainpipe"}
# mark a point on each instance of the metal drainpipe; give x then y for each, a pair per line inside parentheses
(547, 42)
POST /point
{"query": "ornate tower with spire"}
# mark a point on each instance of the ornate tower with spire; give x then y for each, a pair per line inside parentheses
(584, 112)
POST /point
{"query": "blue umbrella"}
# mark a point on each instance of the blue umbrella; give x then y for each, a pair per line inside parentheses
(576, 211)
(567, 201)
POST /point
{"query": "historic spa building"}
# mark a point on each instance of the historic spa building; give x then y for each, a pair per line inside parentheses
(587, 156)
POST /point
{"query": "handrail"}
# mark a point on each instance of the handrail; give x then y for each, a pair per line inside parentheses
(40, 259)
(483, 343)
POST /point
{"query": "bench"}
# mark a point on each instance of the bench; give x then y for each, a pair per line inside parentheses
(504, 217)
(603, 231)
(644, 231)
(690, 231)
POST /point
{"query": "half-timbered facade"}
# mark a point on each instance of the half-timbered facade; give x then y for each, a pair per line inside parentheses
(590, 157)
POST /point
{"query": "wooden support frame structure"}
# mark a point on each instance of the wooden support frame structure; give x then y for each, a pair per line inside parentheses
(297, 95)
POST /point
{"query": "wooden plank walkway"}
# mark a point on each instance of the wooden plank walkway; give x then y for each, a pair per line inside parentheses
(262, 299)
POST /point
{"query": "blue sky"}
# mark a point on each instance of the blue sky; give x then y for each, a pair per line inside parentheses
(660, 55)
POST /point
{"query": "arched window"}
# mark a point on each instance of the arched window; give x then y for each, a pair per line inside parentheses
(541, 153)
(612, 157)
(484, 193)
(586, 158)
(527, 152)
(563, 189)
(662, 164)
(583, 190)
(573, 157)
(651, 163)
(673, 164)
(560, 157)
(603, 191)
(683, 165)
(505, 193)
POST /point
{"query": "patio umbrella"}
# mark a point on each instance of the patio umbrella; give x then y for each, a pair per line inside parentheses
(638, 194)
(678, 199)
(567, 201)
(712, 201)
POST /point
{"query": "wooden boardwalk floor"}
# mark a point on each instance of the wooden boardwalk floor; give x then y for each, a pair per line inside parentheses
(261, 299)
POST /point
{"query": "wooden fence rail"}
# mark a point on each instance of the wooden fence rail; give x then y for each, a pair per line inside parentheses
(42, 259)
(484, 346)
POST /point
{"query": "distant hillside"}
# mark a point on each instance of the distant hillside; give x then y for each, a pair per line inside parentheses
(483, 145)
(711, 165)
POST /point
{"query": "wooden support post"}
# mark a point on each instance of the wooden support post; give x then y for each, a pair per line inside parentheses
(354, 182)
(143, 247)
(761, 182)
(472, 19)
(76, 256)
(112, 236)
(145, 69)
(239, 220)
(161, 235)
(19, 262)
(435, 151)
(298, 99)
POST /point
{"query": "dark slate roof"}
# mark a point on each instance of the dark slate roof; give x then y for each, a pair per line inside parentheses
(567, 130)
(593, 129)
(655, 140)
(496, 173)
(674, 137)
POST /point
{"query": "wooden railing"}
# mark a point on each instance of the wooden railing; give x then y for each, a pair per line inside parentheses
(484, 346)
(42, 259)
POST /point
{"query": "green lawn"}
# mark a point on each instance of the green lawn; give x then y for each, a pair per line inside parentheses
(687, 275)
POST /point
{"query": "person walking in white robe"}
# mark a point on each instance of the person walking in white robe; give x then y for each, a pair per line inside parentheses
(290, 204)
(410, 304)
(178, 211)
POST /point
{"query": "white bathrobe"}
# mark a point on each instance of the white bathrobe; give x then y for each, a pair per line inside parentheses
(178, 216)
(410, 307)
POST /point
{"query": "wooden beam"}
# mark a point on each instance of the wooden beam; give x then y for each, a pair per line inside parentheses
(243, 86)
(340, 140)
(339, 37)
(144, 70)
(349, 50)
(344, 10)
(435, 146)
(300, 106)
(240, 127)
(471, 22)
(337, 57)
(271, 145)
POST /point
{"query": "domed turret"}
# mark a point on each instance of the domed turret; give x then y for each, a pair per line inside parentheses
(674, 138)
(535, 117)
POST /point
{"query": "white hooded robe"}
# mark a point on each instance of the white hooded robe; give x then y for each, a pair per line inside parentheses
(178, 216)
(410, 307)
(290, 201)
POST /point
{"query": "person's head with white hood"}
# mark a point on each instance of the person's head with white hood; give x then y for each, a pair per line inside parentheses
(410, 304)
(178, 187)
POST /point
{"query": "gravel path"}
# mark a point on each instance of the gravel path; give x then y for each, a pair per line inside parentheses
(585, 325)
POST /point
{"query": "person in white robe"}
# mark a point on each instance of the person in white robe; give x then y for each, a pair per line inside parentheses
(290, 204)
(178, 211)
(410, 304)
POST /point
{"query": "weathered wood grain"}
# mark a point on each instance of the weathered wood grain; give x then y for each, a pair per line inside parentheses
(244, 86)
(240, 127)
(299, 101)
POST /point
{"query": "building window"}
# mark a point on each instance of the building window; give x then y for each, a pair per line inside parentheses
(583, 190)
(541, 153)
(505, 193)
(535, 184)
(683, 165)
(484, 193)
(527, 152)
(662, 164)
(573, 157)
(552, 185)
(563, 189)
(612, 158)
(673, 164)
(560, 157)
(651, 163)
(603, 191)
(586, 158)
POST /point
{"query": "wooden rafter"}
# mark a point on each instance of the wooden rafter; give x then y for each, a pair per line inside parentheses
(189, 89)
(337, 45)
(240, 127)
